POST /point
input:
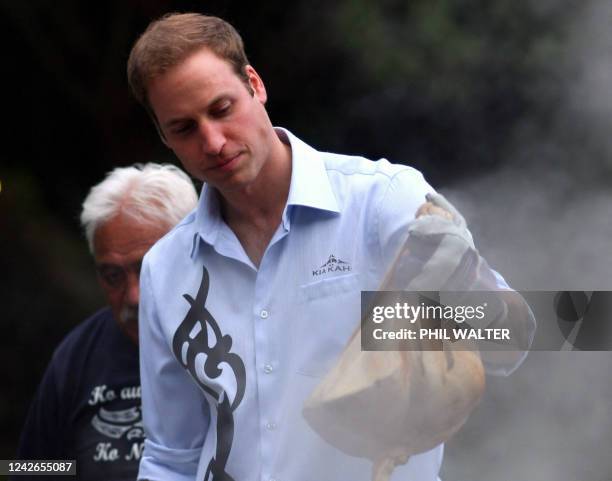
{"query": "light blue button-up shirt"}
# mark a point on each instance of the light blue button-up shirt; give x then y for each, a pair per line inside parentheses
(229, 351)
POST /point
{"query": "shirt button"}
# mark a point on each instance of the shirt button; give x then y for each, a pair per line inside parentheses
(271, 426)
(264, 314)
(268, 368)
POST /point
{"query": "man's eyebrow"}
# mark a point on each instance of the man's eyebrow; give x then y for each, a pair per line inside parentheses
(215, 100)
(111, 265)
(173, 122)
(220, 98)
(107, 265)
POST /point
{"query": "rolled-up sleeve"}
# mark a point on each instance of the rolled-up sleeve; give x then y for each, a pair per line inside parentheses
(176, 415)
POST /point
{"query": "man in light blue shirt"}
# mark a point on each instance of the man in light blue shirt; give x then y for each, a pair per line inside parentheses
(247, 302)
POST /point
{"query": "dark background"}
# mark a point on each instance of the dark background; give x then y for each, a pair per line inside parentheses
(504, 105)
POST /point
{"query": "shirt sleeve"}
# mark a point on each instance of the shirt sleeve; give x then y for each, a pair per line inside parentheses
(176, 414)
(404, 194)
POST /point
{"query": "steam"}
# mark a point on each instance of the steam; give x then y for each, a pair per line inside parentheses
(545, 222)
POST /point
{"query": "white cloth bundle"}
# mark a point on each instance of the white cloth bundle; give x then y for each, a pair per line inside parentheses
(389, 405)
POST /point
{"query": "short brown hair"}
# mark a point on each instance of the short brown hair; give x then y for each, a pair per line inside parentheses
(169, 40)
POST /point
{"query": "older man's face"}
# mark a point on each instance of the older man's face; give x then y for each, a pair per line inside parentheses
(119, 246)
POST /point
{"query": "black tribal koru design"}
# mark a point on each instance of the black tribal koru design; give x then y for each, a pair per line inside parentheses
(191, 338)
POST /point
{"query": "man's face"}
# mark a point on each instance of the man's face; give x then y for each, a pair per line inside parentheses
(119, 246)
(217, 128)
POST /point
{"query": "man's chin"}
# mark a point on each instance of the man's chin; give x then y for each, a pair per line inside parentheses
(130, 329)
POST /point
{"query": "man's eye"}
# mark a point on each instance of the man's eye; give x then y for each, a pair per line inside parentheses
(222, 110)
(112, 277)
(182, 129)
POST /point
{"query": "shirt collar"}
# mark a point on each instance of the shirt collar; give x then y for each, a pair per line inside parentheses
(208, 219)
(310, 187)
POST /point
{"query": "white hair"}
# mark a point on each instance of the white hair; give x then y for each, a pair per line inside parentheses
(151, 194)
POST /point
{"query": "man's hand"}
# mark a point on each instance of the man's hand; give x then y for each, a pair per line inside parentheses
(439, 216)
(429, 208)
(438, 249)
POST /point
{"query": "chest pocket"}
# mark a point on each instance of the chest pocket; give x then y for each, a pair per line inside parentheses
(328, 313)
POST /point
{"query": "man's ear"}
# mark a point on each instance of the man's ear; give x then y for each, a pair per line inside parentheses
(256, 84)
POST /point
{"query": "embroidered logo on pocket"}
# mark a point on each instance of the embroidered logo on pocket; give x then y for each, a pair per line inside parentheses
(333, 264)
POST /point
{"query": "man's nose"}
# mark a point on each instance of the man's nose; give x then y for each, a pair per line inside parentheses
(212, 137)
(133, 289)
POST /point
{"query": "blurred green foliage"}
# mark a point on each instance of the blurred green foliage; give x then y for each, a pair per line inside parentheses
(445, 84)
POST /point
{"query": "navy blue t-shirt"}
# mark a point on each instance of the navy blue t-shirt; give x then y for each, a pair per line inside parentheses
(87, 406)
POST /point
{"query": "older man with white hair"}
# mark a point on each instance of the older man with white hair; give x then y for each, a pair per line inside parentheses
(87, 407)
